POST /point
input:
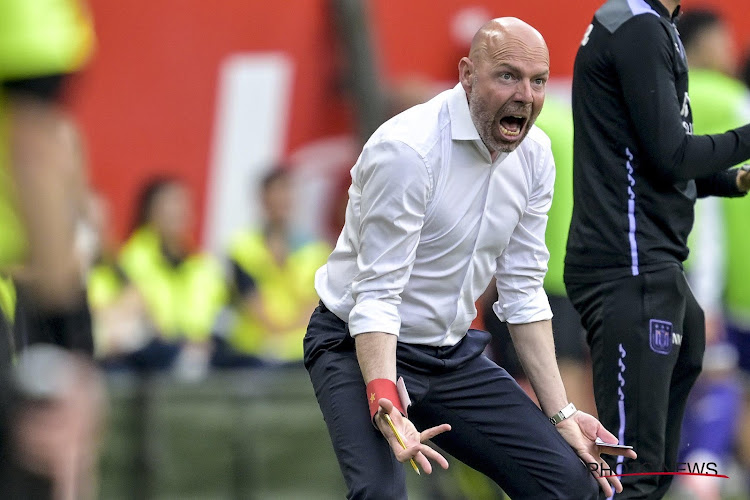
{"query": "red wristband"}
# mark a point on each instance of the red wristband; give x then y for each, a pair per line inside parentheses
(382, 388)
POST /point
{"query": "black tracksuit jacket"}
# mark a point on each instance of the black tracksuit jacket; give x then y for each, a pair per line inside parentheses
(637, 167)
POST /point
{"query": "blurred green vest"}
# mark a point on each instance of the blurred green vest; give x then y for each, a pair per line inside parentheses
(718, 102)
(7, 298)
(286, 291)
(183, 300)
(556, 120)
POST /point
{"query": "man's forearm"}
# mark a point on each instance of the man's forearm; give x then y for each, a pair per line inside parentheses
(376, 353)
(536, 350)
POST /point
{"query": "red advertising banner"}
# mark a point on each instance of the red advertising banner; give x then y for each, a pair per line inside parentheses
(151, 101)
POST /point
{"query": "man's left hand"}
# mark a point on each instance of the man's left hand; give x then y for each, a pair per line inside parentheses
(581, 431)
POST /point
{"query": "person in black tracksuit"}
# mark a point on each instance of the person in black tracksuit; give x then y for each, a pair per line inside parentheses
(637, 173)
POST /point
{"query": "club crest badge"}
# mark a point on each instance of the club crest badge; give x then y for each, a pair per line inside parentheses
(660, 336)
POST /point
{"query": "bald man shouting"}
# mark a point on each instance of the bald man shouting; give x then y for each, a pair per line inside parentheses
(445, 196)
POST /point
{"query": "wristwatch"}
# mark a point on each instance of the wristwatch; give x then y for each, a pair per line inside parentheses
(561, 415)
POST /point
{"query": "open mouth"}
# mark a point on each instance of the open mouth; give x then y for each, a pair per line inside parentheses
(511, 126)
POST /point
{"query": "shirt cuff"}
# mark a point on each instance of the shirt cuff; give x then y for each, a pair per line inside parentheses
(374, 316)
(526, 310)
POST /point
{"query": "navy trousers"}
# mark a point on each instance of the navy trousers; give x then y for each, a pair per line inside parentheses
(496, 428)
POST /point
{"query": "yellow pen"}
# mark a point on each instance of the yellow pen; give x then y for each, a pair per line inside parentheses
(401, 441)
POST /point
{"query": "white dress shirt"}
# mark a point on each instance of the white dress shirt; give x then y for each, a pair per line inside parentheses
(431, 218)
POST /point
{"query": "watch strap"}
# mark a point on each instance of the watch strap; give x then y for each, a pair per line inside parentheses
(561, 415)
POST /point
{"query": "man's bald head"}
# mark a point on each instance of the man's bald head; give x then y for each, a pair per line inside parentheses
(507, 37)
(504, 78)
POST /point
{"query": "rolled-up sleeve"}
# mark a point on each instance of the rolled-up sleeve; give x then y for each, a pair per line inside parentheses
(523, 264)
(395, 186)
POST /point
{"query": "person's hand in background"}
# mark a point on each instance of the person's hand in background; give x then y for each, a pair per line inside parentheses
(743, 178)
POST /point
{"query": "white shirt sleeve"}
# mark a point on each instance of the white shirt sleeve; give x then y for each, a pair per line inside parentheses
(523, 264)
(395, 187)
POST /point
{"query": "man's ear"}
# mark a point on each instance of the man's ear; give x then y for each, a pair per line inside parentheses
(466, 73)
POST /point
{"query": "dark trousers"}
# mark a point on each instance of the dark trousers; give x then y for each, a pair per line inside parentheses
(647, 337)
(70, 329)
(157, 355)
(225, 357)
(496, 428)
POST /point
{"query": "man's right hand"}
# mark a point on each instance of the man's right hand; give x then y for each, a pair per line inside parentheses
(413, 439)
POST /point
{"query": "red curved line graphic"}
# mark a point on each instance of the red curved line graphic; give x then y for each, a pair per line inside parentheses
(667, 474)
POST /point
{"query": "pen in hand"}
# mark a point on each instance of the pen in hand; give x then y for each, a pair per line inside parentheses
(401, 441)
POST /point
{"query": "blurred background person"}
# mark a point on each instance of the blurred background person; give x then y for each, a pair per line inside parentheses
(50, 407)
(718, 267)
(120, 318)
(183, 289)
(74, 329)
(273, 270)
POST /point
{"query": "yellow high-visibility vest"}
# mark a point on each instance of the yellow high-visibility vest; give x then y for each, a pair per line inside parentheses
(7, 298)
(43, 37)
(184, 300)
(285, 291)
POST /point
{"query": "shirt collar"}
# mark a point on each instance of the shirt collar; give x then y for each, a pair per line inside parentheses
(462, 126)
(659, 7)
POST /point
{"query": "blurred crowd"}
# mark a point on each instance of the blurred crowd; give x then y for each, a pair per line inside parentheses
(160, 303)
